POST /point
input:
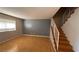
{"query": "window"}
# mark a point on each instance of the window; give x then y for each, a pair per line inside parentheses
(7, 25)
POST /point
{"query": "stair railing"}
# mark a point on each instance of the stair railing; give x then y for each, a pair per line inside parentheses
(55, 34)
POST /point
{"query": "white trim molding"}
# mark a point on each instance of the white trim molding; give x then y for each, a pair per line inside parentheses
(36, 35)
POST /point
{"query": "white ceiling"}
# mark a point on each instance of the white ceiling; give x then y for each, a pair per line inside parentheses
(30, 12)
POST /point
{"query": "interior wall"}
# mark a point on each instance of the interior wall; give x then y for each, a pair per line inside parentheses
(38, 27)
(58, 17)
(58, 20)
(8, 34)
(71, 29)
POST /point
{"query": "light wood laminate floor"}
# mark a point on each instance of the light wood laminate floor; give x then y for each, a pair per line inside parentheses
(27, 44)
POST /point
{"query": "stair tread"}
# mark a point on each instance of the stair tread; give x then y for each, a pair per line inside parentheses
(65, 51)
(63, 41)
(64, 38)
(64, 45)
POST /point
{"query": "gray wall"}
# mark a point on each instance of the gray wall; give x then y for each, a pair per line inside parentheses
(6, 35)
(39, 27)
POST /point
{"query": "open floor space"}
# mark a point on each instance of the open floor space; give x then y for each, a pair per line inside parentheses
(27, 44)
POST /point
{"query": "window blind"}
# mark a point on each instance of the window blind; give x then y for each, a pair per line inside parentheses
(7, 25)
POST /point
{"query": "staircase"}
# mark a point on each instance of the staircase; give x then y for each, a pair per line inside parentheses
(63, 14)
(67, 13)
(64, 45)
(60, 18)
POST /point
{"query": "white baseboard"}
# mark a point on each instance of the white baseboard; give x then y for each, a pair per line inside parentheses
(37, 35)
